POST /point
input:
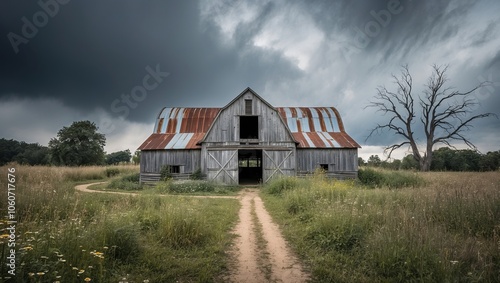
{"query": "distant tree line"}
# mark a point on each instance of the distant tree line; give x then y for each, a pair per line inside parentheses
(77, 145)
(444, 159)
(36, 154)
(23, 153)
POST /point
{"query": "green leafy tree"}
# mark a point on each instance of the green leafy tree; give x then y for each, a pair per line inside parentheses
(471, 159)
(9, 149)
(361, 162)
(490, 161)
(136, 159)
(395, 164)
(442, 159)
(77, 145)
(33, 154)
(374, 160)
(119, 156)
(23, 153)
(447, 159)
(409, 163)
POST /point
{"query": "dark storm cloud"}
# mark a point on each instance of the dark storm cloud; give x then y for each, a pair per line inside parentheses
(90, 53)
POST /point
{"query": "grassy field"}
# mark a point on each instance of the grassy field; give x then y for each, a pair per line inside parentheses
(130, 182)
(395, 227)
(68, 236)
(425, 227)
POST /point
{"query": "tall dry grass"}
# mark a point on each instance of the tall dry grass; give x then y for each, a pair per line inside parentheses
(68, 236)
(445, 230)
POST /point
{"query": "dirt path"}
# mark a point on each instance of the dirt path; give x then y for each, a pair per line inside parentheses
(84, 188)
(261, 251)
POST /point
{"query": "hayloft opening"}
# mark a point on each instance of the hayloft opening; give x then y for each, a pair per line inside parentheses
(250, 166)
(249, 127)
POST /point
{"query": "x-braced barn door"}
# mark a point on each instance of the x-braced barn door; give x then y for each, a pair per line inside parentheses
(278, 162)
(222, 166)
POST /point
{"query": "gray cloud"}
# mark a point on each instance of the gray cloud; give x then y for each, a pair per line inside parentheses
(91, 53)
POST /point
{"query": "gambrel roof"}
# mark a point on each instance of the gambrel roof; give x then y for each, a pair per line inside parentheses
(180, 128)
(311, 127)
(316, 127)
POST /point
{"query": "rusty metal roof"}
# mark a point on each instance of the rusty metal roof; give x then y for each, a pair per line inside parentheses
(180, 128)
(316, 127)
(311, 127)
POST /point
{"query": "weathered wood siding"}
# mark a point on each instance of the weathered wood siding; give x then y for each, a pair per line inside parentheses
(153, 160)
(220, 148)
(226, 128)
(278, 163)
(222, 166)
(218, 156)
(339, 160)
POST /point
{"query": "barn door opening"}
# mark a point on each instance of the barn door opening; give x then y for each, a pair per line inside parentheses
(250, 166)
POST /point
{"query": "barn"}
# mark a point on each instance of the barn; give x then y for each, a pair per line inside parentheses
(248, 141)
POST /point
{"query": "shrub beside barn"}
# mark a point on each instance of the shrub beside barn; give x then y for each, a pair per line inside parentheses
(248, 141)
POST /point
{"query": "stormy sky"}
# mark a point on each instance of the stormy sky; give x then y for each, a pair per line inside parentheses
(117, 63)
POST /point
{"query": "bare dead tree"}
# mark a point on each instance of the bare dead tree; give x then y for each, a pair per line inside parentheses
(444, 113)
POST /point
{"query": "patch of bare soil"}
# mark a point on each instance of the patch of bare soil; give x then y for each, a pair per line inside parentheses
(251, 255)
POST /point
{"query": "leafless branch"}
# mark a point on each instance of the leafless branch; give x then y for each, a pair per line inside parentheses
(443, 109)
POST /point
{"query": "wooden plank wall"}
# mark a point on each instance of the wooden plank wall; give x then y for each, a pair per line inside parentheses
(226, 128)
(153, 160)
(338, 159)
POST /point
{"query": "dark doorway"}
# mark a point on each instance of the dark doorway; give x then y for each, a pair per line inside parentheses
(250, 166)
(249, 127)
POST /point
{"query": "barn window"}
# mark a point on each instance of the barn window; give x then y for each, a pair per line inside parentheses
(324, 166)
(249, 127)
(248, 107)
(175, 169)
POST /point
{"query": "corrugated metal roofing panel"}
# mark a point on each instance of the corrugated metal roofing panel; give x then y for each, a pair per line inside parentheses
(324, 140)
(179, 116)
(156, 141)
(180, 128)
(172, 141)
(309, 119)
(330, 139)
(292, 124)
(185, 120)
(179, 141)
(311, 127)
(333, 118)
(308, 140)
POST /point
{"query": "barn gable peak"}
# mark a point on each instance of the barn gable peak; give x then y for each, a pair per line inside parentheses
(247, 93)
(247, 109)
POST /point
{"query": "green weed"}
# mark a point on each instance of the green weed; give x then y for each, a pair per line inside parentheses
(68, 236)
(437, 227)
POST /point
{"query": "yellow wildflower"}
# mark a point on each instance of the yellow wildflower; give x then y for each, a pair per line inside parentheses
(40, 273)
(87, 279)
